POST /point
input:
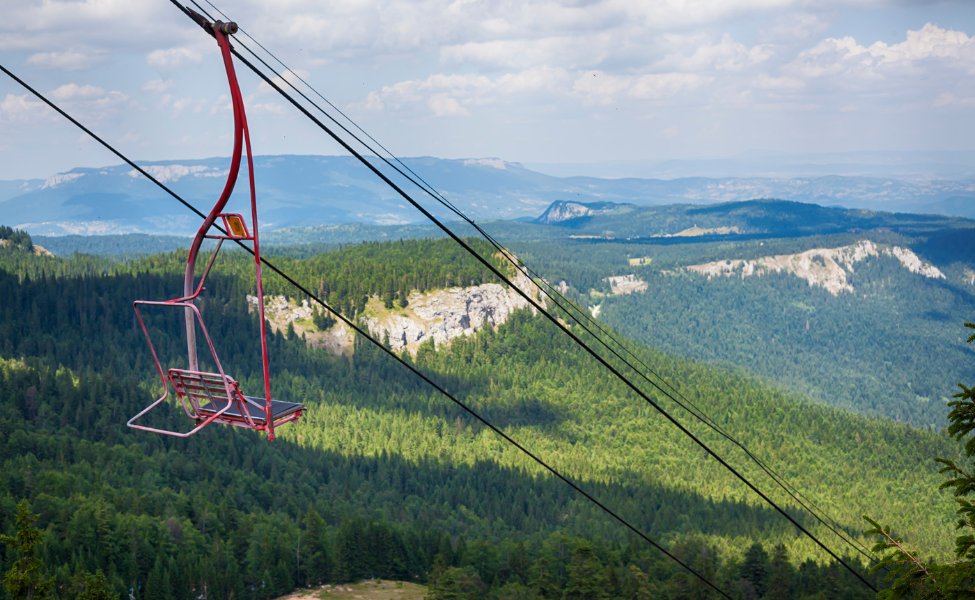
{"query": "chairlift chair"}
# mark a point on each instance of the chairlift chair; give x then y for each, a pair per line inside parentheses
(214, 396)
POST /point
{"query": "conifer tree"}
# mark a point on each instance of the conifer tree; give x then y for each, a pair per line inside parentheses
(780, 575)
(754, 569)
(585, 575)
(26, 577)
(94, 587)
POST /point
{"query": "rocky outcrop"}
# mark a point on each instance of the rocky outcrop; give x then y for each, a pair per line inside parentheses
(443, 315)
(822, 267)
(283, 309)
(440, 315)
(172, 173)
(563, 211)
(620, 285)
(913, 263)
(37, 250)
(55, 180)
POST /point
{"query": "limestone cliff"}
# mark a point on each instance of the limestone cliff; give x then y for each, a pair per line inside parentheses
(443, 315)
(439, 315)
(621, 285)
(827, 268)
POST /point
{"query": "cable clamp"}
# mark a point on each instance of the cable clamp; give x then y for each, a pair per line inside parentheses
(229, 28)
(226, 28)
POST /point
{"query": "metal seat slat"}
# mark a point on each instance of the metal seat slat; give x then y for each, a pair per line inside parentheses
(212, 389)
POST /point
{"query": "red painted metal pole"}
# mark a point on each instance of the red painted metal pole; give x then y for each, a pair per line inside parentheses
(239, 109)
(221, 202)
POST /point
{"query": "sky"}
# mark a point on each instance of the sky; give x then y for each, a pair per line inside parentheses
(582, 82)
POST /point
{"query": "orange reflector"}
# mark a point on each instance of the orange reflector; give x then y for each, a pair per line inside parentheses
(235, 224)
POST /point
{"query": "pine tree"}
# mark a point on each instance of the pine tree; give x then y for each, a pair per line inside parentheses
(585, 578)
(780, 575)
(94, 587)
(457, 583)
(157, 582)
(754, 569)
(315, 562)
(26, 577)
(636, 584)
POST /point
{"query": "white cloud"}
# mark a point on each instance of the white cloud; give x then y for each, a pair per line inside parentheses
(157, 86)
(930, 41)
(89, 101)
(171, 58)
(447, 88)
(68, 60)
(536, 80)
(73, 91)
(696, 53)
(685, 13)
(22, 108)
(932, 45)
(567, 52)
(183, 104)
(32, 25)
(794, 27)
(604, 88)
(511, 34)
(442, 105)
(777, 84)
(455, 95)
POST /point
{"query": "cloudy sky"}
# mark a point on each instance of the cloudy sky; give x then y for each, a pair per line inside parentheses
(584, 81)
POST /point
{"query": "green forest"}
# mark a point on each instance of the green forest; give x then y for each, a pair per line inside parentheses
(385, 478)
(868, 350)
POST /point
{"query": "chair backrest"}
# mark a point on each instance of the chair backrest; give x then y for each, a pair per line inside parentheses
(202, 388)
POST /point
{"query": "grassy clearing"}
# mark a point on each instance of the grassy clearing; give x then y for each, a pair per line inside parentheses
(373, 589)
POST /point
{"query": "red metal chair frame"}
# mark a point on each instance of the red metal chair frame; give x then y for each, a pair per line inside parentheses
(239, 410)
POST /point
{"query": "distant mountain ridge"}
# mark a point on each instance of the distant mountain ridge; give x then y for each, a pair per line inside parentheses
(734, 220)
(311, 190)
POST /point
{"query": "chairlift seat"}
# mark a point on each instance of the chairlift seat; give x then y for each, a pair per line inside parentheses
(215, 397)
(207, 394)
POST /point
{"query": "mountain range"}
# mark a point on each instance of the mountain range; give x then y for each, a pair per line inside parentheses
(296, 191)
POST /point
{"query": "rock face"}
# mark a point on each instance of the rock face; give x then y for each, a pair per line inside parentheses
(280, 309)
(913, 263)
(446, 314)
(440, 315)
(823, 267)
(620, 285)
(562, 211)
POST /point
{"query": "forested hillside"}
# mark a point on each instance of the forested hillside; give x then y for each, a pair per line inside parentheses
(867, 347)
(385, 478)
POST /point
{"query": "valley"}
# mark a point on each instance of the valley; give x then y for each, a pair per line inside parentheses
(382, 478)
(805, 331)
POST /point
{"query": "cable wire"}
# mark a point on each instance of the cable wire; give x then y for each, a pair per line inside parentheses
(365, 334)
(535, 304)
